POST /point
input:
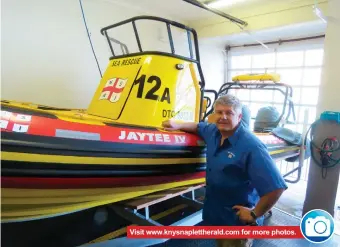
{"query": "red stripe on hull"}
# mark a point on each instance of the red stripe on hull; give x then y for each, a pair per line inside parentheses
(81, 183)
(44, 126)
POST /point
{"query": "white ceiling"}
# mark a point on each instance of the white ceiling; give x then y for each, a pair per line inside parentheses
(183, 11)
(186, 13)
(177, 10)
(280, 33)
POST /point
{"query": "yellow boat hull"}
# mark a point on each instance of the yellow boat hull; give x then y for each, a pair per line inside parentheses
(27, 204)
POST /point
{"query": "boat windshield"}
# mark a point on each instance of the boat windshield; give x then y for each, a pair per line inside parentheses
(149, 34)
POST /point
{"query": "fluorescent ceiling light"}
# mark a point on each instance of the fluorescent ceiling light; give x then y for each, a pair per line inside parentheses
(223, 3)
(319, 14)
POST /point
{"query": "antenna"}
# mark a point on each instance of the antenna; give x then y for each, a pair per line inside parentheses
(88, 34)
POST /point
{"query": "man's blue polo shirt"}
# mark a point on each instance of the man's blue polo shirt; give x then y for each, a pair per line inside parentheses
(238, 173)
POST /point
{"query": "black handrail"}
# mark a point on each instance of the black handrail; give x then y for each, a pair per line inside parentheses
(261, 86)
(168, 23)
(210, 101)
(123, 46)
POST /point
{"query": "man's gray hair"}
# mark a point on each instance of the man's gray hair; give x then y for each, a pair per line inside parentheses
(229, 100)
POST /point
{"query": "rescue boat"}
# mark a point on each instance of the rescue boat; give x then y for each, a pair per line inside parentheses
(281, 142)
(57, 161)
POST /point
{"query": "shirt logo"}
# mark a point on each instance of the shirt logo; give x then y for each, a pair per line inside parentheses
(230, 155)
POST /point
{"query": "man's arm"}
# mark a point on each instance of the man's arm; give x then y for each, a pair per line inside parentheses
(202, 129)
(182, 126)
(266, 179)
(267, 201)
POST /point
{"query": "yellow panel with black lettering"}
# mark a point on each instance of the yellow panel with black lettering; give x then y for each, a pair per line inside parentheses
(114, 87)
(163, 89)
(145, 90)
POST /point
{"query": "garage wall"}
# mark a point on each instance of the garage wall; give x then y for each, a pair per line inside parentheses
(47, 57)
(329, 99)
(46, 53)
(212, 60)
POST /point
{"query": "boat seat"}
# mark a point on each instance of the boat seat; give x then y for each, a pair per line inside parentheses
(267, 119)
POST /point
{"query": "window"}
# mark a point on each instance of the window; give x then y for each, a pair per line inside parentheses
(299, 65)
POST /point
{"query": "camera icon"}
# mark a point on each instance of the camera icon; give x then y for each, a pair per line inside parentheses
(317, 227)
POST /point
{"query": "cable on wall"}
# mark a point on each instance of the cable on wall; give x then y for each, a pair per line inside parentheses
(88, 34)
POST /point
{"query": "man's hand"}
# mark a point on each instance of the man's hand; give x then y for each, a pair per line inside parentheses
(174, 125)
(170, 125)
(244, 214)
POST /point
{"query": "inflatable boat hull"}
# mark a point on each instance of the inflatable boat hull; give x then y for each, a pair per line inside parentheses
(56, 164)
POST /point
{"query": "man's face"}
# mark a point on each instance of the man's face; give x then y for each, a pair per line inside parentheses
(226, 117)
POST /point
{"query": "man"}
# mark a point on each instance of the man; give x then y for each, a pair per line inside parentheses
(242, 180)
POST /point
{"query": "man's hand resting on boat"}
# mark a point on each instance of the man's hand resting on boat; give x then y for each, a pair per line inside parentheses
(173, 125)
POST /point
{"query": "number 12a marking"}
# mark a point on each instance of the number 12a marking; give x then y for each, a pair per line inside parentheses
(152, 93)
